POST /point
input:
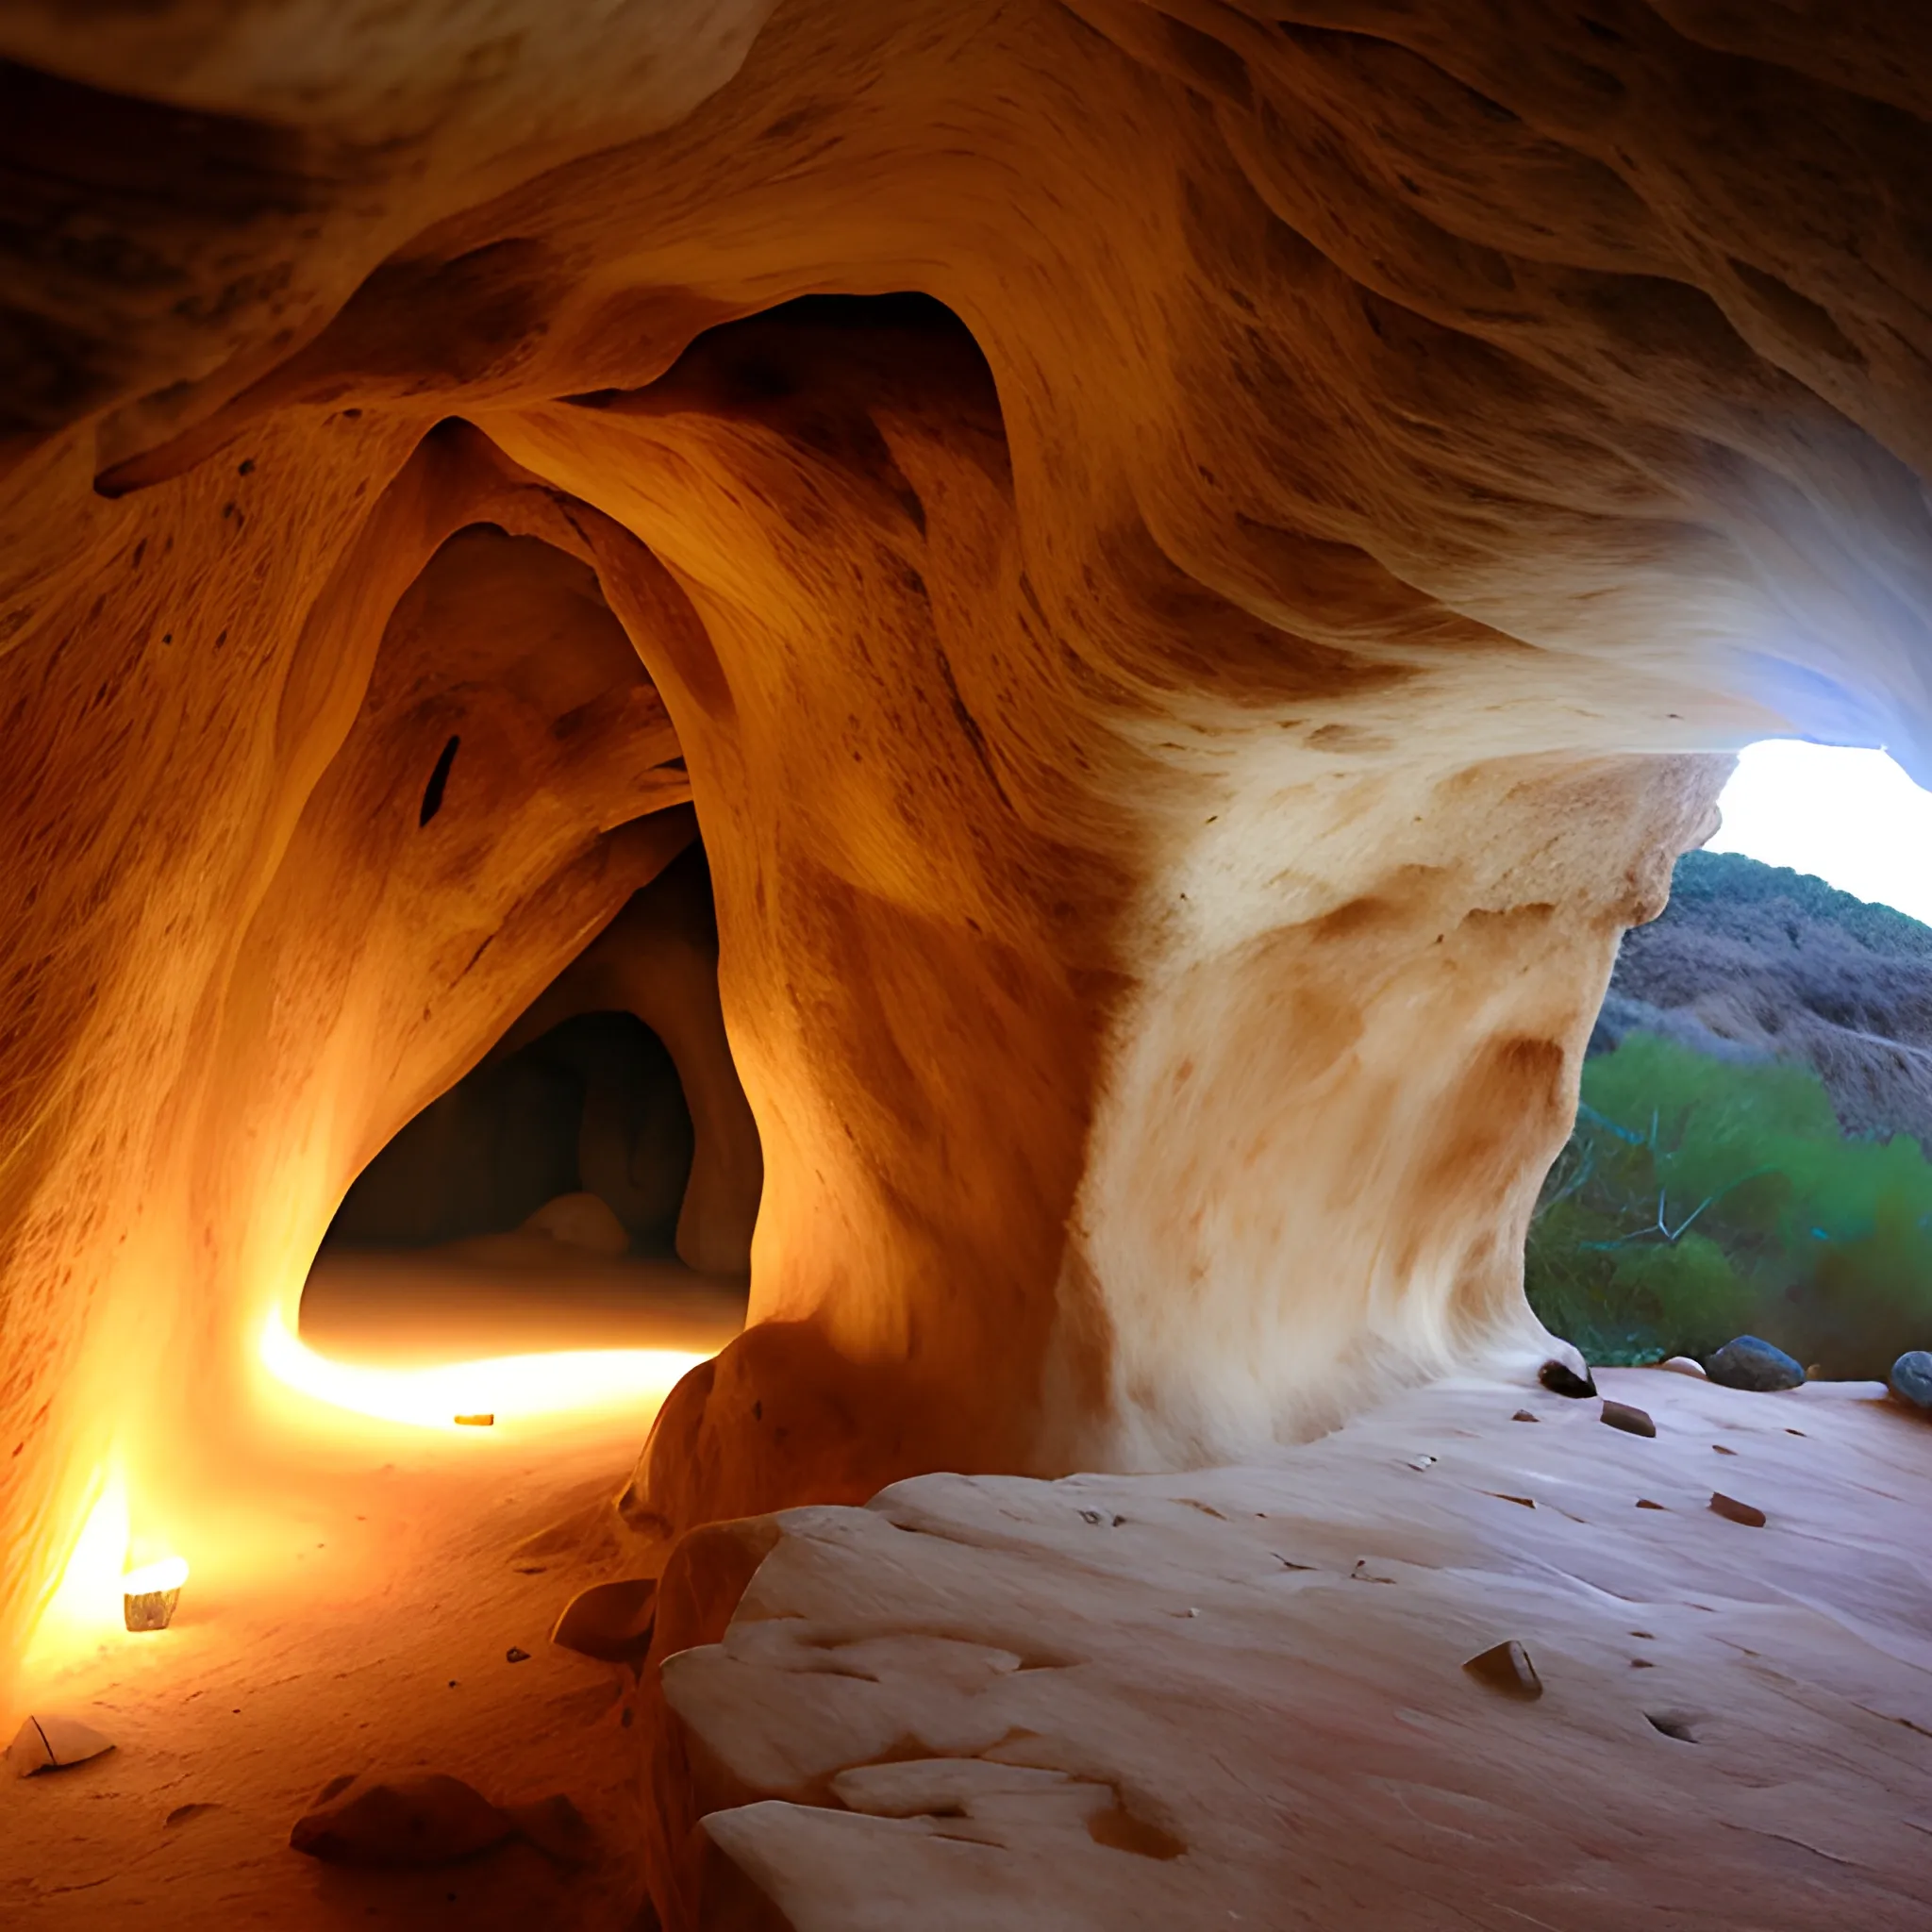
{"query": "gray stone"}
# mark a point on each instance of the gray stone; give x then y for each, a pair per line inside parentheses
(1751, 1363)
(1911, 1378)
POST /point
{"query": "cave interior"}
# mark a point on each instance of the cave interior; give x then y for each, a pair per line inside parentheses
(813, 812)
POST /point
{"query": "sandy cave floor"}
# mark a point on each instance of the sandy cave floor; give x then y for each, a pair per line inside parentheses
(363, 1623)
(1304, 1733)
(373, 1634)
(506, 1294)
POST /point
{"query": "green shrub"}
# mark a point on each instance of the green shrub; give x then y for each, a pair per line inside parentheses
(1700, 1198)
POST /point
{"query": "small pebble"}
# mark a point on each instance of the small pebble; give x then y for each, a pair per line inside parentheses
(1524, 1415)
(1750, 1362)
(1506, 1667)
(1560, 1378)
(1644, 1503)
(514, 1656)
(1735, 1511)
(1684, 1365)
(1633, 1422)
(1911, 1378)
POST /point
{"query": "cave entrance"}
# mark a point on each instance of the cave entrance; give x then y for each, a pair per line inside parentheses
(590, 1184)
(591, 1181)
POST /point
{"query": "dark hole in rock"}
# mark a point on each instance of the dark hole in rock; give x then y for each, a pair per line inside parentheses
(439, 779)
(593, 1106)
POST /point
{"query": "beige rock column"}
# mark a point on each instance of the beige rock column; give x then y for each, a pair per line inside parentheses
(1144, 1078)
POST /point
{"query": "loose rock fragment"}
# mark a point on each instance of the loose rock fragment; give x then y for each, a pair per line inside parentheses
(1560, 1378)
(1644, 1503)
(516, 1654)
(1632, 1421)
(610, 1622)
(1911, 1378)
(1735, 1511)
(1750, 1363)
(402, 1823)
(1524, 1415)
(1506, 1667)
(53, 1742)
(1684, 1365)
(581, 1220)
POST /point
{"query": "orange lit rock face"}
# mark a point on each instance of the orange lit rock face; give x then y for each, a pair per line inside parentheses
(1175, 753)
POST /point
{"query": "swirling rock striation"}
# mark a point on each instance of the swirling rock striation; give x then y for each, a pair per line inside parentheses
(1195, 563)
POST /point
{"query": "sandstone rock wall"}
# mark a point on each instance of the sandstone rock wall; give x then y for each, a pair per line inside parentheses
(1177, 729)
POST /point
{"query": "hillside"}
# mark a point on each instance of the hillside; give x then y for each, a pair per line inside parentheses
(1754, 962)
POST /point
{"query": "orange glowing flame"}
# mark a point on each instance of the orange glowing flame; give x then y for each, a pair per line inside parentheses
(513, 1388)
(171, 1573)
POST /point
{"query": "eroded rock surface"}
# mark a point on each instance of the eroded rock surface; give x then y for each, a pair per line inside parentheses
(922, 1708)
(1197, 570)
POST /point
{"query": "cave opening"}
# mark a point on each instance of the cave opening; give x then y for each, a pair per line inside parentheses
(565, 1193)
(547, 1155)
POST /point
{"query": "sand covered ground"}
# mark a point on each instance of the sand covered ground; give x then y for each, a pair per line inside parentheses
(1234, 1697)
(371, 1632)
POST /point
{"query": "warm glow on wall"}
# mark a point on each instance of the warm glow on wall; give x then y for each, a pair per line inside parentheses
(504, 1387)
(84, 1607)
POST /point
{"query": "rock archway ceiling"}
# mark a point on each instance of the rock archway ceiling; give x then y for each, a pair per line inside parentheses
(1179, 719)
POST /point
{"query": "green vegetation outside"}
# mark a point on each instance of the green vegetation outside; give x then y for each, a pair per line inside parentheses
(1699, 1199)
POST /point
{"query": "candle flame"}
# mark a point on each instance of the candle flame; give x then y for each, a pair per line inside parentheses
(171, 1573)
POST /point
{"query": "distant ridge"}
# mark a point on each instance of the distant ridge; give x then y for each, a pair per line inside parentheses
(1754, 962)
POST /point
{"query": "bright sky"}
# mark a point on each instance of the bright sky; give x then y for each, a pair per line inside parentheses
(1852, 818)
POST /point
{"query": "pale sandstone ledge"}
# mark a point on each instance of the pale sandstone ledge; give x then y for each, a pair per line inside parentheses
(1235, 1697)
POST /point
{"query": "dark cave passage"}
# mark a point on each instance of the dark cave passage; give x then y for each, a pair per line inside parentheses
(593, 1182)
